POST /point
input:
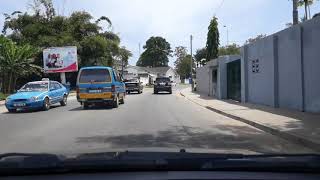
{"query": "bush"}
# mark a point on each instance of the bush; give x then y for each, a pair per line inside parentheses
(2, 96)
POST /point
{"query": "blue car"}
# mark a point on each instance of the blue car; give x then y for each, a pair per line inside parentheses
(37, 95)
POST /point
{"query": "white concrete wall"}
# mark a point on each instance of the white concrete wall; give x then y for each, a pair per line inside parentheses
(261, 85)
(311, 64)
(205, 84)
(290, 73)
(289, 68)
(203, 80)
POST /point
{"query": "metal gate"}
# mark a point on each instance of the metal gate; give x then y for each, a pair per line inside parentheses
(234, 80)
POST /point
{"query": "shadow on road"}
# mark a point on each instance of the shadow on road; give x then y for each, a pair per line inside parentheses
(92, 108)
(161, 93)
(32, 110)
(220, 137)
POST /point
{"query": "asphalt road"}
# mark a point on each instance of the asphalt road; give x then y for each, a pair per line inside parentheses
(145, 122)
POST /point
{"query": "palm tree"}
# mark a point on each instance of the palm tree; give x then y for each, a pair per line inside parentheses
(15, 62)
(306, 4)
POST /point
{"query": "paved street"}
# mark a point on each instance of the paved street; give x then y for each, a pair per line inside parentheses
(144, 121)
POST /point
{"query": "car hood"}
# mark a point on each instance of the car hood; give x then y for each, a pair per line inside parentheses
(81, 150)
(25, 95)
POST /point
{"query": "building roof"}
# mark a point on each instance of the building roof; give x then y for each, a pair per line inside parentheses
(150, 70)
(156, 70)
(97, 67)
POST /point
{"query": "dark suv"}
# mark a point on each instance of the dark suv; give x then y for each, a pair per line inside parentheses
(162, 84)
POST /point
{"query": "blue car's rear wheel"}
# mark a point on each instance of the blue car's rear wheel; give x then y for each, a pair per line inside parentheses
(46, 104)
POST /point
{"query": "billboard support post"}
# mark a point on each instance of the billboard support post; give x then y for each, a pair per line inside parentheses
(63, 78)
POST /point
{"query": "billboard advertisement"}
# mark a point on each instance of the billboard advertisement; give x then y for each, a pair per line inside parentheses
(60, 59)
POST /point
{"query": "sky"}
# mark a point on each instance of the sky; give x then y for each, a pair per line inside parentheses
(175, 20)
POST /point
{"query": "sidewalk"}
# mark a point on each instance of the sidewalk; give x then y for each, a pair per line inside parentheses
(295, 126)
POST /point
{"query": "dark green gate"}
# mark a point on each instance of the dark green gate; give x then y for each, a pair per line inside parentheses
(234, 80)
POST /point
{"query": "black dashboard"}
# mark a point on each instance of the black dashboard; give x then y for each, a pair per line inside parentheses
(173, 175)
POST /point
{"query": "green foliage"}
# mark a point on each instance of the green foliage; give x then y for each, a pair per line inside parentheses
(232, 49)
(212, 40)
(306, 4)
(156, 54)
(200, 56)
(183, 62)
(183, 68)
(3, 96)
(44, 28)
(16, 61)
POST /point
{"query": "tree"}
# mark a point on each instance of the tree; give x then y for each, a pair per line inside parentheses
(183, 67)
(212, 40)
(306, 4)
(44, 28)
(232, 49)
(182, 63)
(180, 52)
(156, 54)
(16, 61)
(43, 8)
(252, 40)
(200, 56)
(122, 58)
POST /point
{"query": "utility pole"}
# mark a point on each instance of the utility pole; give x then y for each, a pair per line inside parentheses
(122, 67)
(295, 12)
(139, 50)
(227, 34)
(191, 65)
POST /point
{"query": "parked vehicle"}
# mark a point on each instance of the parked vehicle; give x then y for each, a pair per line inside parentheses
(134, 85)
(162, 84)
(100, 85)
(37, 95)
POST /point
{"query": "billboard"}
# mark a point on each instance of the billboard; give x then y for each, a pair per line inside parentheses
(60, 59)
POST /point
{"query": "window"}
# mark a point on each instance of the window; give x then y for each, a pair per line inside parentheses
(94, 76)
(56, 85)
(51, 86)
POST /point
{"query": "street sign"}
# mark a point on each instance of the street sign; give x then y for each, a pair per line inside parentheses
(60, 59)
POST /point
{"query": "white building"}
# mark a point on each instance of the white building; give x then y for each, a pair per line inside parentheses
(147, 75)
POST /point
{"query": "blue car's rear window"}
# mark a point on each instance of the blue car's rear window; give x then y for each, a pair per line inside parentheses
(94, 75)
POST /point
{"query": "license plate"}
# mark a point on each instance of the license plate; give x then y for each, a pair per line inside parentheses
(19, 104)
(95, 91)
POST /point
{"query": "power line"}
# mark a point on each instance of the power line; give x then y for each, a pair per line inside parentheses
(218, 8)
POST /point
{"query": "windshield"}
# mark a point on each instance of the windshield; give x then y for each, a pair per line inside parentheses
(132, 80)
(41, 86)
(216, 76)
(163, 80)
(94, 75)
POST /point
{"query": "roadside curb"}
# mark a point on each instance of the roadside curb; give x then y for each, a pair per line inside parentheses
(284, 135)
(2, 102)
